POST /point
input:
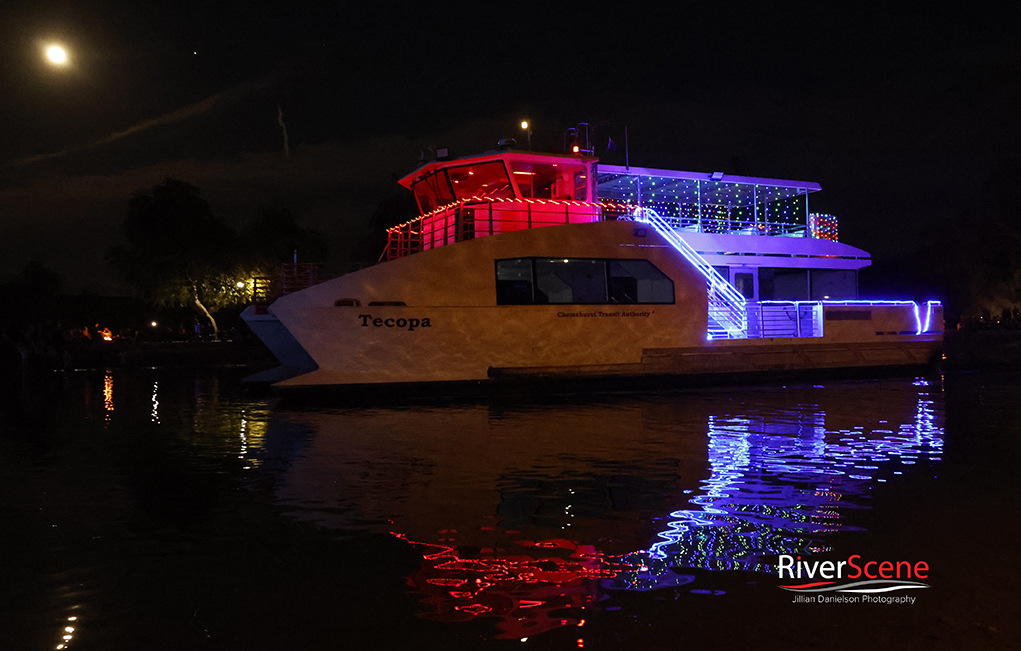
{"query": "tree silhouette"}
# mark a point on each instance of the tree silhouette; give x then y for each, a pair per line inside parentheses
(178, 253)
(31, 296)
(274, 235)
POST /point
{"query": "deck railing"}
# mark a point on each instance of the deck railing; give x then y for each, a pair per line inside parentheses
(294, 277)
(481, 217)
(783, 320)
(716, 224)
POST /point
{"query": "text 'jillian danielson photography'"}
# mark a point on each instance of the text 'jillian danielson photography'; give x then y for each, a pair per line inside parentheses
(873, 580)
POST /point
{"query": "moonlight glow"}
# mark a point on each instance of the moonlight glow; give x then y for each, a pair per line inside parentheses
(57, 55)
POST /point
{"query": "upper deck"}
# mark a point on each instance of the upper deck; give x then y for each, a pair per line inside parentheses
(715, 202)
(478, 196)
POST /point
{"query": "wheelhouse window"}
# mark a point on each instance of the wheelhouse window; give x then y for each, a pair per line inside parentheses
(549, 181)
(580, 281)
(581, 186)
(481, 180)
(433, 191)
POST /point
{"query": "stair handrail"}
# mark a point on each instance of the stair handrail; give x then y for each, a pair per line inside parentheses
(720, 293)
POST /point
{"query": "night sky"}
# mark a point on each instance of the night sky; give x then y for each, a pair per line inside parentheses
(902, 114)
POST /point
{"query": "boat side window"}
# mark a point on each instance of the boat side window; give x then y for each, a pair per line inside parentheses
(781, 284)
(481, 180)
(745, 283)
(834, 284)
(639, 281)
(570, 281)
(433, 191)
(514, 282)
(580, 281)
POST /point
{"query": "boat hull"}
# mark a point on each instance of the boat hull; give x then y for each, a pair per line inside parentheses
(433, 320)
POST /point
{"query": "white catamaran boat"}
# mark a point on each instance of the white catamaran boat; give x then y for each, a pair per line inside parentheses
(524, 266)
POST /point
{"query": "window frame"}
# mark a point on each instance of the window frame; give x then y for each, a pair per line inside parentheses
(606, 279)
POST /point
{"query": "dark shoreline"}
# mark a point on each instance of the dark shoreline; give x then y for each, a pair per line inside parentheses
(982, 349)
(188, 353)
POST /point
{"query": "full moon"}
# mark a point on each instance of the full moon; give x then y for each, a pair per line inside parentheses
(57, 54)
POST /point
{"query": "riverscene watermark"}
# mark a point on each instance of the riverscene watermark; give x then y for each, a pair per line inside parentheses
(853, 580)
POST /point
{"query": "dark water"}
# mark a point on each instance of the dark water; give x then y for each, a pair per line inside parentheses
(165, 509)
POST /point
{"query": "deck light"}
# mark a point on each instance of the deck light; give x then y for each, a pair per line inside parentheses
(527, 127)
(716, 176)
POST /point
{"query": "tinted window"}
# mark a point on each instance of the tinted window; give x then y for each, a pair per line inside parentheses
(514, 282)
(745, 283)
(834, 284)
(783, 284)
(570, 281)
(525, 281)
(639, 281)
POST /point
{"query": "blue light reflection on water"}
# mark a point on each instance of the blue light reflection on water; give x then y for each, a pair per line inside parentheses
(779, 486)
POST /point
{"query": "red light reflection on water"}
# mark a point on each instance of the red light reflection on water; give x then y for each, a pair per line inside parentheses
(108, 405)
(523, 590)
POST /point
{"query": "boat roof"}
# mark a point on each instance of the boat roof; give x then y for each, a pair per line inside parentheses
(622, 183)
(429, 167)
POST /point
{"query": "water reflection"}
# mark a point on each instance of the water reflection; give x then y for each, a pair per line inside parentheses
(154, 416)
(779, 485)
(108, 395)
(68, 633)
(525, 514)
(527, 518)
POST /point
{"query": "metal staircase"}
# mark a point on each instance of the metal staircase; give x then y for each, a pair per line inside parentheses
(728, 313)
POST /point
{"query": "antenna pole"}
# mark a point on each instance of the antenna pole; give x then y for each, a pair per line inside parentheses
(627, 156)
(280, 121)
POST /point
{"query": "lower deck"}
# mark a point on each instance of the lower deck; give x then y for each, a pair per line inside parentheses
(739, 357)
(660, 369)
